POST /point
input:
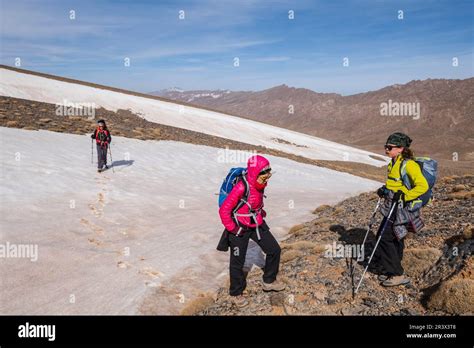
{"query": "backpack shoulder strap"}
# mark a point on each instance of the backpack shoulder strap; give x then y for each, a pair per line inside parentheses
(403, 173)
(403, 167)
(246, 185)
(245, 197)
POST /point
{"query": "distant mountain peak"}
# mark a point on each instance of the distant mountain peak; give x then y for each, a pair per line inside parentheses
(174, 89)
(282, 86)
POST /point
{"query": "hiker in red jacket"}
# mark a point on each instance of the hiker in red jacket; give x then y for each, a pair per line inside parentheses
(248, 223)
(103, 139)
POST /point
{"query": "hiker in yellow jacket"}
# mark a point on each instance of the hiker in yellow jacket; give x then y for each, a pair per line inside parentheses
(390, 251)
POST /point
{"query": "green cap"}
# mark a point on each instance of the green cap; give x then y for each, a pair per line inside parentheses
(399, 139)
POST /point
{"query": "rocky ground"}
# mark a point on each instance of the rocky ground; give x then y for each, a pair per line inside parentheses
(438, 259)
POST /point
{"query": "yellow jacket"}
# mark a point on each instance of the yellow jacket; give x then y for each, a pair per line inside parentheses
(394, 181)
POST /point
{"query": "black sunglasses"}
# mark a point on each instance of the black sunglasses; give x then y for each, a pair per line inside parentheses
(390, 147)
(265, 172)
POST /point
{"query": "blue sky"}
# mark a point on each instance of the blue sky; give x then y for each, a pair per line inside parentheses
(198, 52)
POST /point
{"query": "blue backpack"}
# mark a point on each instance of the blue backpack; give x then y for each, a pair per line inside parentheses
(233, 177)
(429, 169)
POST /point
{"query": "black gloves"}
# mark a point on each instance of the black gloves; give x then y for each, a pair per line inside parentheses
(93, 136)
(398, 195)
(382, 192)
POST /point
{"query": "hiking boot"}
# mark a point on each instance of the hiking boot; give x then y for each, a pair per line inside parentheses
(277, 285)
(382, 277)
(99, 170)
(396, 280)
(240, 301)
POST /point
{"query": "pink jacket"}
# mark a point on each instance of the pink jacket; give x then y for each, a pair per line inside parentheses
(255, 165)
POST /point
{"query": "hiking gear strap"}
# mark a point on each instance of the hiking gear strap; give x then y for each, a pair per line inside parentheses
(254, 216)
(403, 174)
(251, 212)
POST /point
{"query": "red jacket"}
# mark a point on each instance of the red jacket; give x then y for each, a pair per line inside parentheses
(106, 135)
(254, 166)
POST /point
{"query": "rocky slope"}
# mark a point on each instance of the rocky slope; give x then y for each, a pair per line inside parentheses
(438, 260)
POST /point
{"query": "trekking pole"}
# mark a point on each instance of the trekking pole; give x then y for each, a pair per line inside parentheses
(372, 220)
(92, 151)
(111, 160)
(350, 263)
(396, 197)
(350, 266)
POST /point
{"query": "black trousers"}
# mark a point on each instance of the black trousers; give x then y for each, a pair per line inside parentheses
(238, 250)
(101, 156)
(389, 253)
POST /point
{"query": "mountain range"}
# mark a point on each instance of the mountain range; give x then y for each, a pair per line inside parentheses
(435, 113)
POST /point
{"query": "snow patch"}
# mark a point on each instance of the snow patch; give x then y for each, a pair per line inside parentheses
(106, 239)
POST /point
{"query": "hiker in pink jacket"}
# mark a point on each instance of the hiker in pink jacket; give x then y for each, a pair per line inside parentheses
(248, 223)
